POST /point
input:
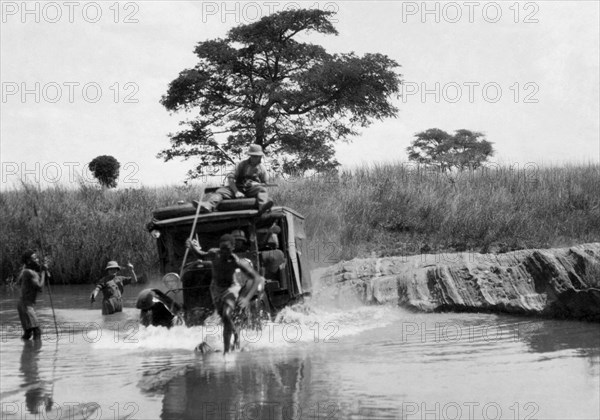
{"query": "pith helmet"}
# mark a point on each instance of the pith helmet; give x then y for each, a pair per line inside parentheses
(239, 234)
(112, 264)
(255, 150)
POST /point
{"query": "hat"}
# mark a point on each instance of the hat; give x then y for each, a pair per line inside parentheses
(112, 264)
(255, 150)
(226, 238)
(239, 234)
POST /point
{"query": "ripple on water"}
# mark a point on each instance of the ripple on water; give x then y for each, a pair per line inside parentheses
(367, 360)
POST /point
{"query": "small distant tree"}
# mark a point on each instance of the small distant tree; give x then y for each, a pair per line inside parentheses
(106, 170)
(428, 146)
(466, 149)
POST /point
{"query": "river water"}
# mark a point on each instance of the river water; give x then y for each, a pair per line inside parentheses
(314, 362)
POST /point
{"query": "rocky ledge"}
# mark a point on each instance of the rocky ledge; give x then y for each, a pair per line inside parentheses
(558, 283)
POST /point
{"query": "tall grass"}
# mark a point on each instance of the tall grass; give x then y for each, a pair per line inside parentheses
(394, 209)
(81, 229)
(377, 210)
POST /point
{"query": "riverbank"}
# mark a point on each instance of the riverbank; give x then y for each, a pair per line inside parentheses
(376, 211)
(555, 283)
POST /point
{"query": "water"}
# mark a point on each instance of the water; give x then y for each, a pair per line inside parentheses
(347, 363)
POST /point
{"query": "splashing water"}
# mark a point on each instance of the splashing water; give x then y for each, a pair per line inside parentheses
(322, 318)
(298, 324)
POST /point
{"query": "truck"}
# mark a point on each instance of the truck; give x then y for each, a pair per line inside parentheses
(279, 232)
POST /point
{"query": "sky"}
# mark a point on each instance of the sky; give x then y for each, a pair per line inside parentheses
(82, 79)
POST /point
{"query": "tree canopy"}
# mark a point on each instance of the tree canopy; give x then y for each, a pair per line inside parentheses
(106, 170)
(261, 85)
(464, 150)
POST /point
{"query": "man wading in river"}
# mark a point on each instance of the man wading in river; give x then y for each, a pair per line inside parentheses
(246, 181)
(225, 289)
(32, 278)
(111, 286)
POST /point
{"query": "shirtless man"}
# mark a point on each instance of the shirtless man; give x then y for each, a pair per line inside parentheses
(32, 278)
(225, 289)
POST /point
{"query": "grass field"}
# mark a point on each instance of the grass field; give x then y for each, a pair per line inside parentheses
(380, 210)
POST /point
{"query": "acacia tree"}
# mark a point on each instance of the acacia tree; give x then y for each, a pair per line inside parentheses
(106, 170)
(428, 146)
(466, 149)
(261, 85)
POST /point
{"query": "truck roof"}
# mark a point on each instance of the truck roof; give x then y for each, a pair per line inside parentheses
(275, 213)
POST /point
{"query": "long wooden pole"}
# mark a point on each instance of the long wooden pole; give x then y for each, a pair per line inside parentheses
(47, 273)
(187, 250)
(51, 303)
(225, 154)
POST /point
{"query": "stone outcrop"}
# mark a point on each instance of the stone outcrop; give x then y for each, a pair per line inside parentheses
(560, 283)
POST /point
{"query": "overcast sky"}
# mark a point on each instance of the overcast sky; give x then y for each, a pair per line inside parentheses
(83, 79)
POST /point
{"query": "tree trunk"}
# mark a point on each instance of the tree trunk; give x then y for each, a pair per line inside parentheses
(259, 122)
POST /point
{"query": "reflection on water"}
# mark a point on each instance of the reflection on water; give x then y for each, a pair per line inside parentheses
(38, 394)
(355, 363)
(550, 335)
(266, 387)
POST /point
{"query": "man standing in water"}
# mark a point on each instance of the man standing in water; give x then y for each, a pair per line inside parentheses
(224, 288)
(32, 278)
(111, 286)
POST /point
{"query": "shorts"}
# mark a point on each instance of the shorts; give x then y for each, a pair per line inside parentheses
(222, 296)
(28, 316)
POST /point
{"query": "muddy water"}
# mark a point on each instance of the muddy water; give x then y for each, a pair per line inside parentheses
(313, 363)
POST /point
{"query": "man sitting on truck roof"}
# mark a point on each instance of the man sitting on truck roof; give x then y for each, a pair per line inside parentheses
(226, 292)
(246, 181)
